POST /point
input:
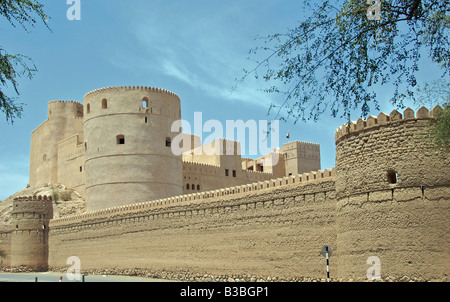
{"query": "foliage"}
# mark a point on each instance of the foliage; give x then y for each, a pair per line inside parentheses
(438, 129)
(336, 57)
(12, 66)
(66, 195)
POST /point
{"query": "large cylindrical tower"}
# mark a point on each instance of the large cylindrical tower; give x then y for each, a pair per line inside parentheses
(128, 138)
(392, 198)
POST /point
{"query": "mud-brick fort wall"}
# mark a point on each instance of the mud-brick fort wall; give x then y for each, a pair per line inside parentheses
(387, 197)
(269, 228)
(392, 193)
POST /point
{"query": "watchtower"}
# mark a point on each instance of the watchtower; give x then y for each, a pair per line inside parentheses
(29, 239)
(391, 196)
(301, 157)
(128, 155)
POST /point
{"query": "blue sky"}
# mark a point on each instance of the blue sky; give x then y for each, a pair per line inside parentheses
(194, 48)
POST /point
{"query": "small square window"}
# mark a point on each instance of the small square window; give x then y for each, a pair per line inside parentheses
(120, 140)
(392, 177)
(227, 172)
(234, 173)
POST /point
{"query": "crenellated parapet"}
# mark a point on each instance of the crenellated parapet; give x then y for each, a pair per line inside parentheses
(219, 194)
(65, 102)
(388, 151)
(198, 164)
(294, 144)
(33, 198)
(384, 119)
(134, 88)
(38, 205)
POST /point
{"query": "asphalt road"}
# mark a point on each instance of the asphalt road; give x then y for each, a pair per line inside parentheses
(55, 277)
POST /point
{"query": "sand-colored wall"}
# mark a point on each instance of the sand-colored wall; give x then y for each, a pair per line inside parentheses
(71, 169)
(403, 222)
(5, 245)
(407, 229)
(276, 230)
(211, 177)
(65, 119)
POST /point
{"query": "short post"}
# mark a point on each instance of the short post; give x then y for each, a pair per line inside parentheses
(36, 279)
(328, 265)
(326, 252)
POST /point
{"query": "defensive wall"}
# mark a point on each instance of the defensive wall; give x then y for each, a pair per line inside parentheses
(387, 197)
(206, 177)
(267, 228)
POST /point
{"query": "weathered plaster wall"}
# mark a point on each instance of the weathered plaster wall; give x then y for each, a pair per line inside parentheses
(271, 231)
(392, 190)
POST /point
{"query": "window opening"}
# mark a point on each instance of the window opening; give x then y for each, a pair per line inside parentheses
(120, 139)
(144, 103)
(392, 177)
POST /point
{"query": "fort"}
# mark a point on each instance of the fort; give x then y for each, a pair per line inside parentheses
(217, 215)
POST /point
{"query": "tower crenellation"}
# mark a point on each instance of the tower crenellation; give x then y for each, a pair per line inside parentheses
(385, 119)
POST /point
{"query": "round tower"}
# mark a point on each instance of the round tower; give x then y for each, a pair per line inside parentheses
(128, 138)
(392, 197)
(29, 240)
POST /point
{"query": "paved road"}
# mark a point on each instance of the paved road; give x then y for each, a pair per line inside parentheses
(55, 277)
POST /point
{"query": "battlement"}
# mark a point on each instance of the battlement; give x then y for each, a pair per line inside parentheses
(33, 198)
(295, 144)
(300, 179)
(383, 119)
(137, 88)
(65, 102)
(66, 109)
(185, 162)
(257, 172)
